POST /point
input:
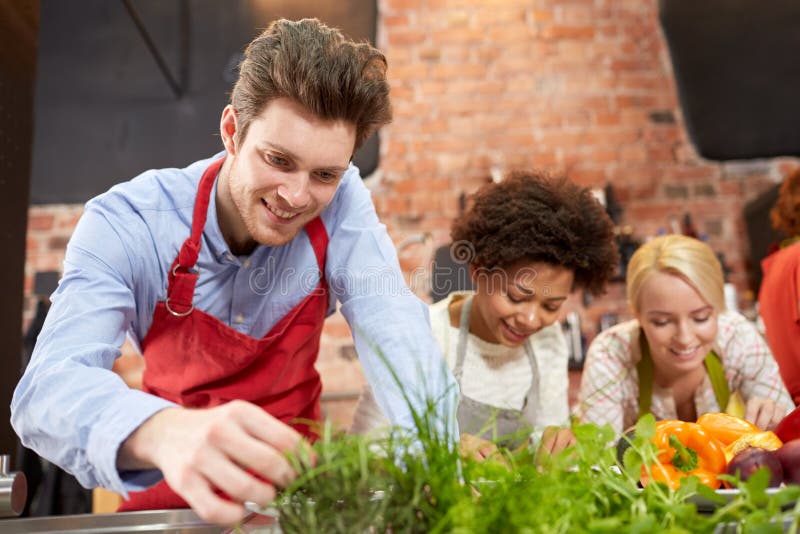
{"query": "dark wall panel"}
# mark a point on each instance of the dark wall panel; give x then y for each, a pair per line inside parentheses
(18, 21)
(104, 110)
(737, 74)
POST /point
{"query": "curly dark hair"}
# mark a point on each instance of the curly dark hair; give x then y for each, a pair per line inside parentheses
(534, 217)
(785, 215)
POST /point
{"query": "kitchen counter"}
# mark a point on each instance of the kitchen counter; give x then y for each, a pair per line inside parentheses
(164, 522)
(155, 521)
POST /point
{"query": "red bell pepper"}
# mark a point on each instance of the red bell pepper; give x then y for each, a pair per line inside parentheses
(789, 427)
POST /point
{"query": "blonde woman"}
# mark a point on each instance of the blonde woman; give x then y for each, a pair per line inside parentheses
(684, 354)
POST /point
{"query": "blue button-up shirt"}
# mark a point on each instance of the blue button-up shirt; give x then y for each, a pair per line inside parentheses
(72, 410)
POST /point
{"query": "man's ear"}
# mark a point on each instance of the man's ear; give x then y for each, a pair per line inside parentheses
(228, 126)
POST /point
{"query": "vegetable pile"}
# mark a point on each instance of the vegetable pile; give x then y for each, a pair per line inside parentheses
(403, 483)
(720, 443)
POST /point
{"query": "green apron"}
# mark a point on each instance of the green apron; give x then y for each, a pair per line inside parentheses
(645, 368)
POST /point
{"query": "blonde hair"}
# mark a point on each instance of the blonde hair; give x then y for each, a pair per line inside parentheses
(686, 257)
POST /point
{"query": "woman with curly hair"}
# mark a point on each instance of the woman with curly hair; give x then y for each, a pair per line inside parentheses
(683, 354)
(779, 296)
(532, 240)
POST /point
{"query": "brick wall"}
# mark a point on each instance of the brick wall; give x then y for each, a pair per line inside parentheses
(582, 87)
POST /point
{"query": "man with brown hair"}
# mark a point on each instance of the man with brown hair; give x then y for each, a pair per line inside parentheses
(223, 272)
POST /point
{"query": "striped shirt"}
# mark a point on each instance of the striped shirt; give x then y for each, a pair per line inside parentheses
(609, 392)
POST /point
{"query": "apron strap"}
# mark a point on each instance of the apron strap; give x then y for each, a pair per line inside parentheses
(531, 402)
(463, 334)
(716, 373)
(645, 370)
(318, 236)
(181, 279)
(644, 367)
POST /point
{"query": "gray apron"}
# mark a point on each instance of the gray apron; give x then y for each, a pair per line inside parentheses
(490, 422)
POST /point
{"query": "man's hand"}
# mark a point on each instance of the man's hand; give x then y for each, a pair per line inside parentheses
(199, 451)
(763, 413)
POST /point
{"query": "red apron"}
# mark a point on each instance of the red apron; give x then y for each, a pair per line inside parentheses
(197, 361)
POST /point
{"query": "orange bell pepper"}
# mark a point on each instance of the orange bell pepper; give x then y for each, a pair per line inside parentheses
(685, 449)
(726, 428)
(671, 476)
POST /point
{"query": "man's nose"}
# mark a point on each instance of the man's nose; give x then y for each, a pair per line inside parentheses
(295, 190)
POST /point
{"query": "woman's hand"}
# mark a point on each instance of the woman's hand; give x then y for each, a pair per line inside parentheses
(478, 448)
(763, 413)
(556, 439)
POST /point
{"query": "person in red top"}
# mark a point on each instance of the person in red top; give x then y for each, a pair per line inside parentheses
(779, 296)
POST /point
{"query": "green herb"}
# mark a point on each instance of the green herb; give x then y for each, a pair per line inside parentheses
(419, 483)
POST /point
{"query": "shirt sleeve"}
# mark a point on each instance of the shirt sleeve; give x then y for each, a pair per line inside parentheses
(605, 381)
(69, 406)
(749, 364)
(390, 325)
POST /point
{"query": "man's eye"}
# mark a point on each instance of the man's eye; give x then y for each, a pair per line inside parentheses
(552, 307)
(327, 176)
(277, 160)
(514, 299)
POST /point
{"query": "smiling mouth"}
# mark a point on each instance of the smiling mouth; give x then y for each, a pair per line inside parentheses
(685, 353)
(283, 215)
(514, 332)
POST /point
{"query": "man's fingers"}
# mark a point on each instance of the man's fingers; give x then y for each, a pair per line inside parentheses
(237, 483)
(263, 460)
(262, 443)
(265, 427)
(208, 505)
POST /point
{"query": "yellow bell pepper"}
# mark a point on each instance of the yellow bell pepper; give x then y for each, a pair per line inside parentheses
(726, 428)
(762, 440)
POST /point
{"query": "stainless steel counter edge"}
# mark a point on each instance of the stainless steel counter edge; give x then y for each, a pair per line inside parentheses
(154, 521)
